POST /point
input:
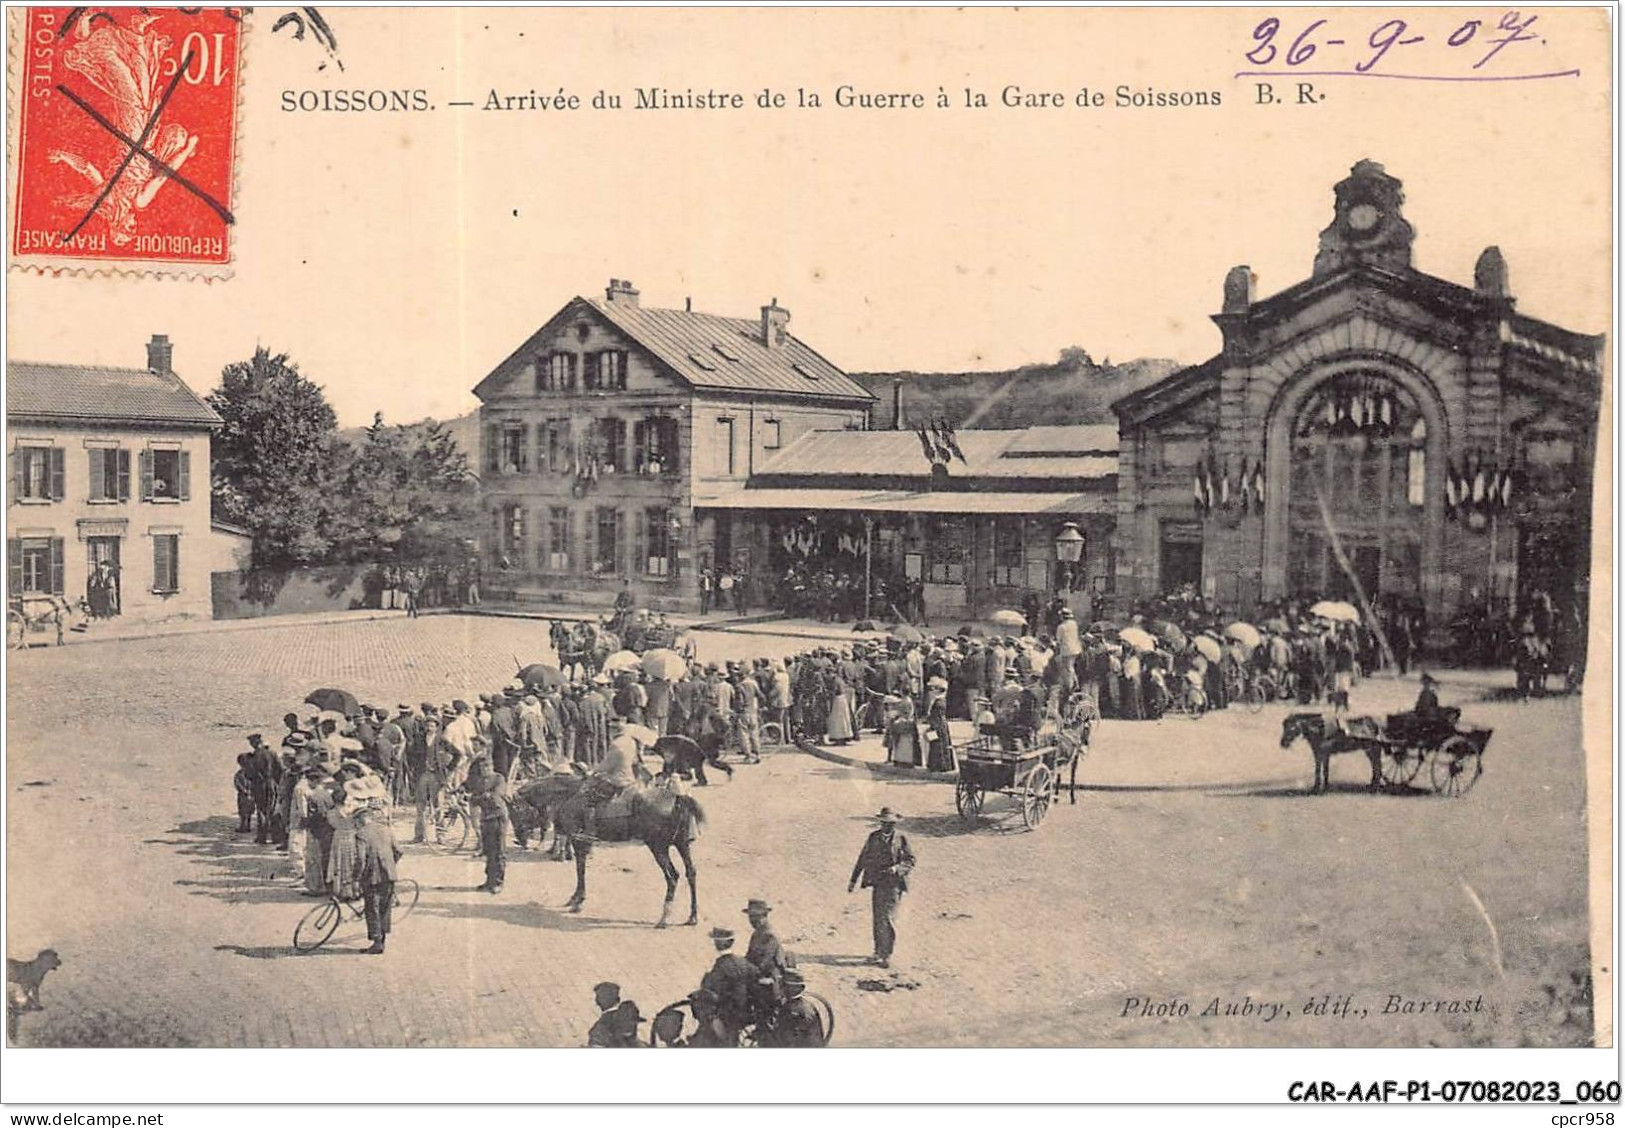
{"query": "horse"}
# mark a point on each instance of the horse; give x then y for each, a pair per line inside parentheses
(659, 818)
(36, 613)
(1326, 739)
(687, 756)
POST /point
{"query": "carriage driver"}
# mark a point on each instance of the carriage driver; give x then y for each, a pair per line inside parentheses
(612, 775)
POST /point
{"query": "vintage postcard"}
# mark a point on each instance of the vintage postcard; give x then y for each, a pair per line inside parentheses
(881, 529)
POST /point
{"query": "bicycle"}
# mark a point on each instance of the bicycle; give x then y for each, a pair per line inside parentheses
(317, 926)
(454, 821)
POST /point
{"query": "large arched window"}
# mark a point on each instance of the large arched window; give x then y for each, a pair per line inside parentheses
(1357, 489)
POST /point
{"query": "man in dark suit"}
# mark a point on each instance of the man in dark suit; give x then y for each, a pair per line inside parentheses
(883, 866)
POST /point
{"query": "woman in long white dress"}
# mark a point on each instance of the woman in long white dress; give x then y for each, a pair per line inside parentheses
(902, 734)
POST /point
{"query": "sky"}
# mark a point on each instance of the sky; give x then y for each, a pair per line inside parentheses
(398, 257)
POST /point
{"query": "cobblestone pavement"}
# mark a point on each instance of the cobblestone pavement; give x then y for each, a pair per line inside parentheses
(1191, 868)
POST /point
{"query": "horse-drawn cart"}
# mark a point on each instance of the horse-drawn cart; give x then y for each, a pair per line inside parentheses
(1455, 755)
(1029, 774)
(1398, 747)
(1026, 766)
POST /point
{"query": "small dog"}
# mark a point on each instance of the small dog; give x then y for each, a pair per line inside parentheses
(23, 981)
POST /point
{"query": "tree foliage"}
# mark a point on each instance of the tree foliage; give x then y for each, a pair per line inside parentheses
(274, 459)
(401, 494)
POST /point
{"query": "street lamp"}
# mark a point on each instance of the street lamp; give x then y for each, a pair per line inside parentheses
(1069, 544)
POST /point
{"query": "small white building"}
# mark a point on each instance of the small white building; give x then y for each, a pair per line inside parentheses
(109, 487)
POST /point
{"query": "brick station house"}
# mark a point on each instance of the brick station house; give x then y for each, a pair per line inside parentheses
(1372, 432)
(605, 433)
(111, 466)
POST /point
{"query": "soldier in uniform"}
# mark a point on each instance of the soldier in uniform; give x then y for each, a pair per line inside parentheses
(729, 981)
(489, 791)
(767, 957)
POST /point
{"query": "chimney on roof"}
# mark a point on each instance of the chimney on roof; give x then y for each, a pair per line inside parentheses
(897, 404)
(620, 291)
(775, 324)
(161, 355)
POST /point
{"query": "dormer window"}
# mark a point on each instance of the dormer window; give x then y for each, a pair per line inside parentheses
(805, 371)
(700, 362)
(725, 353)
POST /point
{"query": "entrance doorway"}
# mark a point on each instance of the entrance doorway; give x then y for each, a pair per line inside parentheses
(103, 576)
(1181, 556)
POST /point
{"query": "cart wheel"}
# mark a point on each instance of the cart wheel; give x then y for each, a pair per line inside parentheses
(1254, 696)
(406, 898)
(826, 1011)
(1400, 764)
(968, 799)
(452, 830)
(1036, 797)
(317, 926)
(1456, 767)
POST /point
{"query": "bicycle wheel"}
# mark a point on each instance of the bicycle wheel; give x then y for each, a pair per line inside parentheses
(317, 926)
(406, 898)
(1254, 696)
(451, 832)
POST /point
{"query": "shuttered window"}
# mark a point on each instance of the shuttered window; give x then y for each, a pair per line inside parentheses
(166, 563)
(166, 475)
(38, 473)
(109, 474)
(607, 541)
(655, 550)
(557, 550)
(36, 566)
(493, 448)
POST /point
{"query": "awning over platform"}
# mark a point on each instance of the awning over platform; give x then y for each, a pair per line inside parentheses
(909, 501)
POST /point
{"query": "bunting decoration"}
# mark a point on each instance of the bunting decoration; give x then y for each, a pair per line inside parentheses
(1478, 489)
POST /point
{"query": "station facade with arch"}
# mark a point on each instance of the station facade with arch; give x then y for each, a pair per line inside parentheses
(1372, 433)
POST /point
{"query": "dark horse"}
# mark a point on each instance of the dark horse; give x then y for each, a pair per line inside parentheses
(687, 756)
(1326, 739)
(655, 816)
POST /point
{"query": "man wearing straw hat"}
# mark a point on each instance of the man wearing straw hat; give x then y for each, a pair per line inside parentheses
(883, 866)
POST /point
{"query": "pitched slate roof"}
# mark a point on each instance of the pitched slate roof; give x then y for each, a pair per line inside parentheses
(727, 353)
(1028, 452)
(88, 393)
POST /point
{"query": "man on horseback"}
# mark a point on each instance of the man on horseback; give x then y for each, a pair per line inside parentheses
(612, 775)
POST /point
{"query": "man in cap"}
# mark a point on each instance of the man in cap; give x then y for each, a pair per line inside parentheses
(883, 866)
(594, 727)
(729, 981)
(264, 774)
(459, 736)
(1068, 649)
(766, 957)
(377, 854)
(489, 791)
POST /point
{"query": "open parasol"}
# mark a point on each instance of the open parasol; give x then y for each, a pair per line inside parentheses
(1008, 618)
(668, 665)
(907, 632)
(1137, 638)
(540, 673)
(1336, 611)
(621, 662)
(1244, 633)
(334, 700)
(1209, 647)
(1168, 632)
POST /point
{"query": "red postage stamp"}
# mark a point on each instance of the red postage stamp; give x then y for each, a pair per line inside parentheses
(124, 144)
